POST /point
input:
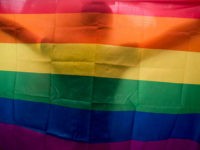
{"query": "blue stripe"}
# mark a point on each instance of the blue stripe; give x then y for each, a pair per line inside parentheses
(99, 126)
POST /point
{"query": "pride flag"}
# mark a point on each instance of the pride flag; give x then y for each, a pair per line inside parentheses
(99, 74)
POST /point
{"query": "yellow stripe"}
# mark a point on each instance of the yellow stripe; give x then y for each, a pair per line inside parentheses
(102, 61)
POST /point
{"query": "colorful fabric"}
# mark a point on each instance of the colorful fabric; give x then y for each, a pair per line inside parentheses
(99, 75)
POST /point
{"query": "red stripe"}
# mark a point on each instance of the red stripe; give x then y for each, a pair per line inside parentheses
(18, 138)
(164, 8)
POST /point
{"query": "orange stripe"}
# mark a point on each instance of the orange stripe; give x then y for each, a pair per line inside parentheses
(121, 30)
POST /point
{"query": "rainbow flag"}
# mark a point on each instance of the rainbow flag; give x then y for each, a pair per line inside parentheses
(99, 74)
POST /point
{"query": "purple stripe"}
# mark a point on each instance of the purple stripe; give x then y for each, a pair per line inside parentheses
(18, 138)
(163, 8)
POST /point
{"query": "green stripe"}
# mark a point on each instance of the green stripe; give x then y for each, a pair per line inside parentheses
(101, 93)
